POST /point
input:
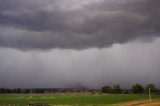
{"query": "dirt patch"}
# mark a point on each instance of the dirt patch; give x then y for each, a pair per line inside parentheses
(142, 103)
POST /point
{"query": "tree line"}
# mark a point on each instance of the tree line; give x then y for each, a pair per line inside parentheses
(136, 89)
(19, 90)
(114, 89)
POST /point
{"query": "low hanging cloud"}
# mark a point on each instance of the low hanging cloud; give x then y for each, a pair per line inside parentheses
(73, 24)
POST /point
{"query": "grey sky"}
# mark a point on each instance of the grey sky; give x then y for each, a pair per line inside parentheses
(60, 43)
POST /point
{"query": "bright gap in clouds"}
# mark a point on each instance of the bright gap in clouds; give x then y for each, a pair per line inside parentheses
(74, 4)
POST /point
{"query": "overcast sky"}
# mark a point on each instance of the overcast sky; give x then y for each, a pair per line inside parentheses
(66, 43)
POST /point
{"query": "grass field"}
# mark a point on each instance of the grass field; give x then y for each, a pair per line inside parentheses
(71, 98)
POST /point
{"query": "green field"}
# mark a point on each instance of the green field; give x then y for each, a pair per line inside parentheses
(71, 98)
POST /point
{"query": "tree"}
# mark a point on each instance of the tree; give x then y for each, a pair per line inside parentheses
(117, 89)
(106, 89)
(137, 88)
(27, 91)
(39, 91)
(19, 90)
(2, 90)
(151, 87)
(5, 90)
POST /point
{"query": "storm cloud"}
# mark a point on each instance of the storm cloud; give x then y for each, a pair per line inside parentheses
(64, 43)
(73, 24)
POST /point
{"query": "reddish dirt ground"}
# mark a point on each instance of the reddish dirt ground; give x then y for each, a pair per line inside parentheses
(142, 103)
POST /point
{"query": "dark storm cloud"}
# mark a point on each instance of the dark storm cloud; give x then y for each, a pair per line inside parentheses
(39, 24)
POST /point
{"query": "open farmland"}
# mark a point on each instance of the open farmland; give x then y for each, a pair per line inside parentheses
(72, 98)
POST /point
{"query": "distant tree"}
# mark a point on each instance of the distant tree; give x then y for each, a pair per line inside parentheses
(117, 89)
(2, 90)
(19, 90)
(5, 90)
(137, 88)
(126, 92)
(151, 87)
(39, 90)
(106, 89)
(14, 90)
(27, 91)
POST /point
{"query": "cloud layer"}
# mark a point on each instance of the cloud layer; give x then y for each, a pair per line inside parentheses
(74, 24)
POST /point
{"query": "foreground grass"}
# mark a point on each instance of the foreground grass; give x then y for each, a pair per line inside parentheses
(71, 98)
